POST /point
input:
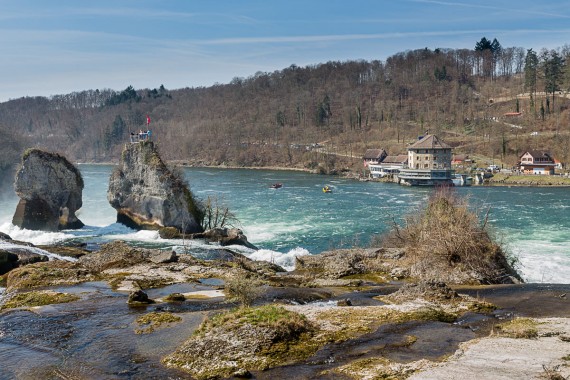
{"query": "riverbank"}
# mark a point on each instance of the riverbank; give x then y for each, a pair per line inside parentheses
(500, 179)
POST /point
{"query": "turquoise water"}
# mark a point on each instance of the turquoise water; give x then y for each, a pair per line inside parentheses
(300, 219)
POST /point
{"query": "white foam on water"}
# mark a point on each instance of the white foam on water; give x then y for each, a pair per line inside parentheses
(284, 260)
(543, 261)
(324, 304)
(11, 246)
(34, 237)
(265, 232)
(108, 230)
(142, 236)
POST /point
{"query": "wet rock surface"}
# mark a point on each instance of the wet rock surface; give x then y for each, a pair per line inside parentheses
(428, 290)
(342, 262)
(421, 323)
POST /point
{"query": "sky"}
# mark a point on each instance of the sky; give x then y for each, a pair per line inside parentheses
(59, 46)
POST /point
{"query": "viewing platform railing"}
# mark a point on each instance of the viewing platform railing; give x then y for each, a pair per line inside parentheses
(141, 136)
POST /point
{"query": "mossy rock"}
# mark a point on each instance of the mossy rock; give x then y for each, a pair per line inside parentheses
(518, 328)
(47, 273)
(169, 233)
(175, 297)
(155, 319)
(38, 298)
(260, 338)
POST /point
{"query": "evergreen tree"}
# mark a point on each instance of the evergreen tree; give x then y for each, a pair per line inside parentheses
(531, 74)
(553, 70)
(118, 128)
(488, 51)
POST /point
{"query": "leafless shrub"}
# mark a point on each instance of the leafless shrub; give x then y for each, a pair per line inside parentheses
(217, 214)
(445, 241)
(243, 289)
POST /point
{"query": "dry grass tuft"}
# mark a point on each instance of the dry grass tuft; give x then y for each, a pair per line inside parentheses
(519, 328)
(243, 289)
(446, 242)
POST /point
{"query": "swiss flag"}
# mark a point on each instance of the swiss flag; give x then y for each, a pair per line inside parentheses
(147, 120)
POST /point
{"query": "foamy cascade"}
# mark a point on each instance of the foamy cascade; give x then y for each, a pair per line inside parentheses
(52, 256)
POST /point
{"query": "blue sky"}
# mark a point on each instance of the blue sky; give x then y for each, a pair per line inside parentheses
(59, 46)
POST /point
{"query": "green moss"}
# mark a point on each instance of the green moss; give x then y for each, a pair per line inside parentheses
(519, 328)
(291, 351)
(116, 279)
(268, 315)
(154, 320)
(37, 298)
(362, 320)
(482, 307)
(193, 207)
(175, 297)
(47, 274)
(268, 335)
(428, 314)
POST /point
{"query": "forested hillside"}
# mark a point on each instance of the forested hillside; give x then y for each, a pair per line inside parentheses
(293, 117)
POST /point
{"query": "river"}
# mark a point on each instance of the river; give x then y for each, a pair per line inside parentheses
(300, 219)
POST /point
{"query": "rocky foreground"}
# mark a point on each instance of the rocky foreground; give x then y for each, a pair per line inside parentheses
(348, 314)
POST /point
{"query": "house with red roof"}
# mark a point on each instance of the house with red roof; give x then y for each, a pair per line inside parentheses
(536, 162)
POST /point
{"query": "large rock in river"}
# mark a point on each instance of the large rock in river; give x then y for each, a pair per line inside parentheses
(50, 190)
(147, 195)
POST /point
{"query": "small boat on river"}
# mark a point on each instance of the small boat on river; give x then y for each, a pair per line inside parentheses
(327, 189)
(276, 186)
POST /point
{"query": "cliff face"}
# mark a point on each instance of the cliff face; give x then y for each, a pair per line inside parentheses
(147, 195)
(50, 190)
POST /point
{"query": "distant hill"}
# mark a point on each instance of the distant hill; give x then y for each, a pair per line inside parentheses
(279, 118)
